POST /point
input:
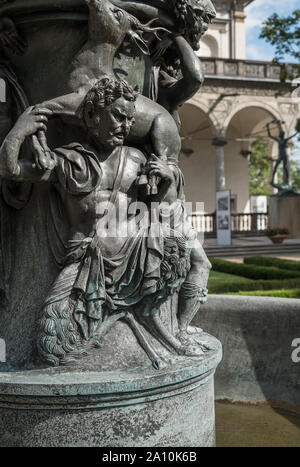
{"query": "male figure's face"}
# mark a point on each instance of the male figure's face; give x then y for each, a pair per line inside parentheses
(112, 125)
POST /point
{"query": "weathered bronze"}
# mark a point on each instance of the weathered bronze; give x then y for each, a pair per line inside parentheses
(94, 153)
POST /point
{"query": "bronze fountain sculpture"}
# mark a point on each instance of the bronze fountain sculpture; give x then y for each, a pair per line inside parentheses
(94, 154)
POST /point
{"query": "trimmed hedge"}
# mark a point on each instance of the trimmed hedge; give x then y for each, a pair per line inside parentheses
(231, 287)
(273, 262)
(252, 271)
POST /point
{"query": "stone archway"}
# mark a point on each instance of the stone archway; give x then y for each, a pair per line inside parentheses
(245, 107)
(243, 126)
(209, 47)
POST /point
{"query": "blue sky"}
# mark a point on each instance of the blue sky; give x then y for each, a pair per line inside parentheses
(258, 49)
(257, 12)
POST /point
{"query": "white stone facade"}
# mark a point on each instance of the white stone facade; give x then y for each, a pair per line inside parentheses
(226, 37)
(229, 112)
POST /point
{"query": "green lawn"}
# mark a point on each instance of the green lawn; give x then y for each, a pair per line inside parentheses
(216, 276)
(234, 284)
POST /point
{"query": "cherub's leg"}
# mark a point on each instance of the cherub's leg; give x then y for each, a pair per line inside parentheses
(165, 141)
(60, 106)
(165, 137)
(193, 291)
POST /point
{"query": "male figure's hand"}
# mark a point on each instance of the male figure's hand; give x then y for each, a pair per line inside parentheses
(160, 168)
(30, 122)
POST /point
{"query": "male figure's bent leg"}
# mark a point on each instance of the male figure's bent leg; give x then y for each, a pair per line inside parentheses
(194, 289)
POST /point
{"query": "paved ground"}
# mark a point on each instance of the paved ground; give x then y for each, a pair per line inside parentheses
(241, 425)
(292, 257)
(261, 242)
(250, 241)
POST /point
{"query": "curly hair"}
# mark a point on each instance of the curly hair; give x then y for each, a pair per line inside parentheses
(104, 93)
(191, 14)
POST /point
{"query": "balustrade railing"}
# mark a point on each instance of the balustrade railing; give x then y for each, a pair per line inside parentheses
(248, 224)
(245, 69)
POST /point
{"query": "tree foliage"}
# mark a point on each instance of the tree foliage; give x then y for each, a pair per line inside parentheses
(260, 168)
(283, 32)
(295, 176)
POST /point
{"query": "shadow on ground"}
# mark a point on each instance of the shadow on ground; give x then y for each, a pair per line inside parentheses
(241, 425)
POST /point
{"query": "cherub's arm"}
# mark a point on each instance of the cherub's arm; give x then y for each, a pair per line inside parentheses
(192, 75)
(143, 11)
(13, 168)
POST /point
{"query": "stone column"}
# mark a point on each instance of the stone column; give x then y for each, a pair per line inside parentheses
(219, 142)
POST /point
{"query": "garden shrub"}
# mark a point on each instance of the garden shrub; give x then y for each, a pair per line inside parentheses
(273, 262)
(252, 271)
(231, 287)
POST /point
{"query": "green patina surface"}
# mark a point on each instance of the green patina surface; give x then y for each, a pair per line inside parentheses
(241, 425)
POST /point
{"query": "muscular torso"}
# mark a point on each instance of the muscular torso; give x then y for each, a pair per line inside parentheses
(87, 213)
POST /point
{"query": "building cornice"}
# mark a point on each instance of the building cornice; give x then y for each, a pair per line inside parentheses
(244, 70)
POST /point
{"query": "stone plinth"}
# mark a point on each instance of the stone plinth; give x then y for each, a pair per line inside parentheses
(260, 340)
(120, 408)
(284, 212)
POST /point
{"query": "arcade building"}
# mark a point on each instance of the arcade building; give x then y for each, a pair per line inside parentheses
(230, 111)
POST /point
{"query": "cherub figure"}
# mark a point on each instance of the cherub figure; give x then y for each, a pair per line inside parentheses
(185, 16)
(108, 27)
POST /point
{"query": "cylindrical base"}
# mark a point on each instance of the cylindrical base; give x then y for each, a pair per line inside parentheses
(137, 407)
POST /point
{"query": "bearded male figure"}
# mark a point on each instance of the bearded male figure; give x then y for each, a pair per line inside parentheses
(106, 275)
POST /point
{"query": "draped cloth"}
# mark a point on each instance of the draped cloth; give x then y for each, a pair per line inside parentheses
(150, 266)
